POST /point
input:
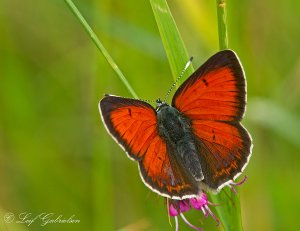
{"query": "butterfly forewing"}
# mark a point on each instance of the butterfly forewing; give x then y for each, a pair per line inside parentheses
(131, 122)
(216, 91)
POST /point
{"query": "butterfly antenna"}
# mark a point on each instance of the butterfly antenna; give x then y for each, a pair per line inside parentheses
(181, 74)
(147, 100)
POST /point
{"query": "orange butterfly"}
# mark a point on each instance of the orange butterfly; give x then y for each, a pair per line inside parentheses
(197, 142)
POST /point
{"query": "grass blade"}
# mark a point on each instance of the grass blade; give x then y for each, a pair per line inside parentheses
(100, 46)
(229, 209)
(222, 28)
(172, 41)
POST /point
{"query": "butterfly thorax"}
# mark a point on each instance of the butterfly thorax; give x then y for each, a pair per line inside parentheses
(175, 129)
(172, 126)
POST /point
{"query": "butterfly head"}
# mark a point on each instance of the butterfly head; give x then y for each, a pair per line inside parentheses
(160, 103)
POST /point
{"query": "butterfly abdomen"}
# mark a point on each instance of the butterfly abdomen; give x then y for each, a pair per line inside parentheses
(175, 129)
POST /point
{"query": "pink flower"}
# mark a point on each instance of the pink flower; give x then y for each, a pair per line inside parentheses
(178, 207)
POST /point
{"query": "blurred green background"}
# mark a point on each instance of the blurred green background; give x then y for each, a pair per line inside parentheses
(55, 155)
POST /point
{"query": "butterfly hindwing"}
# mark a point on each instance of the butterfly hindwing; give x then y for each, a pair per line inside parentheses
(214, 100)
(225, 149)
(160, 170)
(133, 124)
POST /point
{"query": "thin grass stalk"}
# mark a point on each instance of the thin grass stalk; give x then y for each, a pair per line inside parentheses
(222, 24)
(100, 46)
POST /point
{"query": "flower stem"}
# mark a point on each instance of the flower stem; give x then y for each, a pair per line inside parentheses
(100, 46)
(222, 28)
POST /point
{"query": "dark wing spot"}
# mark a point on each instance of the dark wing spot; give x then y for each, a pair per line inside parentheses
(205, 82)
(129, 111)
(226, 162)
(213, 137)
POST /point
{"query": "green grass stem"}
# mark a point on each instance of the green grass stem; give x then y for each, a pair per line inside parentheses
(172, 41)
(222, 28)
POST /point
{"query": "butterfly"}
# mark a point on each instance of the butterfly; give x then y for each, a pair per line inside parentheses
(196, 143)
